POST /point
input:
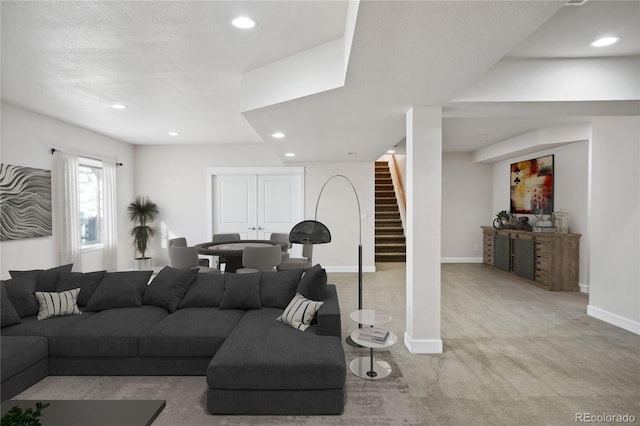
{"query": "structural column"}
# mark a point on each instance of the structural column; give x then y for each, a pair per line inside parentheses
(423, 217)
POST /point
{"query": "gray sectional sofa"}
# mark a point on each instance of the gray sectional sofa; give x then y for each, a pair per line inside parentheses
(241, 331)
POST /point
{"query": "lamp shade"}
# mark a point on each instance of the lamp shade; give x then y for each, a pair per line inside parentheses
(310, 232)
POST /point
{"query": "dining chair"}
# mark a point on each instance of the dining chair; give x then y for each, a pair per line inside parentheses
(260, 259)
(304, 262)
(182, 242)
(283, 240)
(223, 238)
(186, 257)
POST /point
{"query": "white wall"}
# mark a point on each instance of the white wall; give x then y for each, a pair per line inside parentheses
(615, 222)
(466, 206)
(571, 176)
(27, 139)
(175, 178)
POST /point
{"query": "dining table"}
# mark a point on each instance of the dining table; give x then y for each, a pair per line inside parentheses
(232, 250)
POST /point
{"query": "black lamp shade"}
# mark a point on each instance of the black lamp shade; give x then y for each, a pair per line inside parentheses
(310, 232)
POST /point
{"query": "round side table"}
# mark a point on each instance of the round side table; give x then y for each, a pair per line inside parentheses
(368, 367)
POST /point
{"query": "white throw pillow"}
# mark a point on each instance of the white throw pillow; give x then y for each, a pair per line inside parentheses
(57, 304)
(300, 312)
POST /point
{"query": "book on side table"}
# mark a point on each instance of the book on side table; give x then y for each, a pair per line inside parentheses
(374, 334)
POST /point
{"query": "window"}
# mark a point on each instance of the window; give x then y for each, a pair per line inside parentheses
(90, 200)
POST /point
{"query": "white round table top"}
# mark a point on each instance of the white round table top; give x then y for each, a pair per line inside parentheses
(391, 340)
(370, 317)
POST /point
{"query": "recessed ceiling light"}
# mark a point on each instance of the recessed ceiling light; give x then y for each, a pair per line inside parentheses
(290, 154)
(391, 151)
(174, 134)
(244, 22)
(118, 106)
(605, 41)
(278, 135)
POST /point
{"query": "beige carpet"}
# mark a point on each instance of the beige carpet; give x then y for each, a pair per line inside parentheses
(382, 402)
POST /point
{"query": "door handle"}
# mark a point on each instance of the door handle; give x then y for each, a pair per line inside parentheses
(252, 228)
(260, 228)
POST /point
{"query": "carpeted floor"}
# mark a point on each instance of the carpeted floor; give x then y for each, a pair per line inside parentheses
(513, 354)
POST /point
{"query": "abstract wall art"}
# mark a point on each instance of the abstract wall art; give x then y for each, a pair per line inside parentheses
(532, 186)
(25, 202)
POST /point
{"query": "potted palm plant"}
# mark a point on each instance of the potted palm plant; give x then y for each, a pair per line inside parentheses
(142, 213)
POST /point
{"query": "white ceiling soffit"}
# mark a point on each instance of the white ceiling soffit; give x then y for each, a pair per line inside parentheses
(418, 54)
(315, 70)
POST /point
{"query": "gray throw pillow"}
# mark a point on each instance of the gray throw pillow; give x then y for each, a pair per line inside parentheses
(45, 279)
(241, 291)
(168, 287)
(278, 288)
(119, 290)
(313, 283)
(86, 282)
(204, 292)
(21, 292)
(8, 313)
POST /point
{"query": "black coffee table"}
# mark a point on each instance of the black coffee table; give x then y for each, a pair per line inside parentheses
(93, 412)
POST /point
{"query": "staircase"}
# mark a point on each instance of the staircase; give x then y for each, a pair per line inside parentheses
(390, 241)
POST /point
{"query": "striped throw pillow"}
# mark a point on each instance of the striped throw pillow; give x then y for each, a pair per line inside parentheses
(57, 304)
(300, 312)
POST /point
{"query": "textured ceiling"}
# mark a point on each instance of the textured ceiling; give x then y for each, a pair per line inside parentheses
(179, 66)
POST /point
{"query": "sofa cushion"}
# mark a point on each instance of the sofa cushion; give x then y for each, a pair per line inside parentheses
(189, 332)
(86, 282)
(109, 333)
(262, 353)
(241, 291)
(119, 290)
(30, 326)
(54, 304)
(205, 291)
(18, 353)
(7, 311)
(300, 312)
(168, 287)
(21, 294)
(46, 279)
(313, 283)
(278, 288)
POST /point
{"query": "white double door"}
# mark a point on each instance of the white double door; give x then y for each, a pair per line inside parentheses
(256, 202)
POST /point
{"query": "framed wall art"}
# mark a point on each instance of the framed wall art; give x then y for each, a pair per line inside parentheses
(25, 202)
(532, 186)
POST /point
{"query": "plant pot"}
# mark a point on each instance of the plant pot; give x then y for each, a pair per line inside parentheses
(142, 263)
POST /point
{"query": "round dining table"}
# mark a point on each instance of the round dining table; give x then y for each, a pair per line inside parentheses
(232, 250)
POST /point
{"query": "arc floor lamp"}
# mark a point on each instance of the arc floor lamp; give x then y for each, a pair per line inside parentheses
(315, 232)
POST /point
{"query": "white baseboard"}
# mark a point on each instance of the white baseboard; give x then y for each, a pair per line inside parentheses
(422, 346)
(584, 288)
(613, 319)
(461, 260)
(349, 268)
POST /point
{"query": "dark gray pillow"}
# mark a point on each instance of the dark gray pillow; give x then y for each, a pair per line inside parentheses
(119, 290)
(8, 314)
(313, 283)
(21, 292)
(241, 291)
(45, 279)
(205, 291)
(278, 288)
(168, 287)
(86, 282)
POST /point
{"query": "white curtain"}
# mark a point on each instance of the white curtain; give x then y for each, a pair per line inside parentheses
(109, 220)
(70, 210)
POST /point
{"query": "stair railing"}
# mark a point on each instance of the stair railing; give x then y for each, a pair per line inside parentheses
(398, 188)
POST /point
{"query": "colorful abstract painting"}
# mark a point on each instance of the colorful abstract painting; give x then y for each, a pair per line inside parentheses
(25, 202)
(532, 186)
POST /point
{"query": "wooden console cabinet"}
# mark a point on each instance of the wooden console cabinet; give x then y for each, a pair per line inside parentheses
(550, 261)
